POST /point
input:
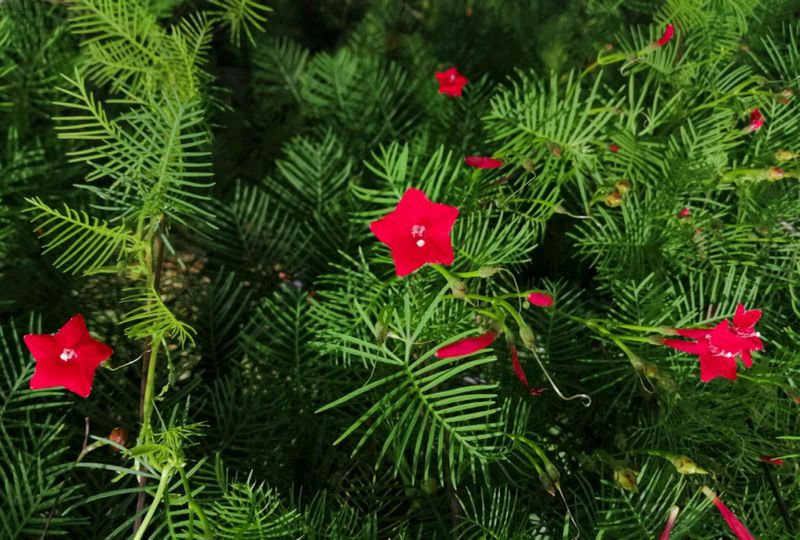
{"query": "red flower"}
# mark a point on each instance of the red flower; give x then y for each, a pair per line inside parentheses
(417, 232)
(735, 525)
(771, 460)
(540, 299)
(756, 120)
(717, 349)
(667, 532)
(451, 82)
(67, 358)
(614, 148)
(744, 326)
(517, 367)
(669, 31)
(466, 346)
(481, 162)
(684, 213)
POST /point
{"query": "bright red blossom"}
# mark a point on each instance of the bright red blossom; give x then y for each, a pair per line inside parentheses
(673, 515)
(67, 358)
(684, 213)
(451, 82)
(719, 347)
(466, 346)
(669, 31)
(481, 162)
(540, 299)
(613, 148)
(417, 232)
(736, 526)
(756, 120)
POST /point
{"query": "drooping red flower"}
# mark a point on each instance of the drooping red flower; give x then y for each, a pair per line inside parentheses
(684, 213)
(517, 367)
(756, 120)
(540, 299)
(613, 148)
(67, 358)
(467, 346)
(669, 31)
(736, 526)
(481, 162)
(417, 232)
(451, 82)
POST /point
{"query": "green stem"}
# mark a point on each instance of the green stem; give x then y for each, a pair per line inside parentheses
(194, 507)
(162, 486)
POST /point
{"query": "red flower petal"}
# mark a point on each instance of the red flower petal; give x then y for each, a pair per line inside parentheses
(771, 460)
(466, 346)
(713, 366)
(517, 367)
(482, 162)
(613, 148)
(417, 232)
(540, 299)
(735, 525)
(744, 319)
(756, 120)
(67, 359)
(451, 82)
(684, 213)
(669, 31)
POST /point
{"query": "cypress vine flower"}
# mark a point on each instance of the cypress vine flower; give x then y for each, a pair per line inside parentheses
(466, 346)
(669, 31)
(756, 121)
(517, 367)
(733, 522)
(482, 162)
(451, 82)
(673, 516)
(67, 358)
(540, 299)
(613, 148)
(772, 460)
(684, 213)
(417, 232)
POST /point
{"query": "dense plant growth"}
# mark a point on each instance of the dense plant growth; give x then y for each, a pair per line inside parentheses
(399, 269)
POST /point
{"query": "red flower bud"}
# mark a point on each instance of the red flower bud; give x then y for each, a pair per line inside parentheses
(119, 436)
(673, 515)
(481, 162)
(517, 367)
(466, 346)
(684, 213)
(669, 31)
(771, 460)
(733, 522)
(756, 120)
(613, 148)
(540, 299)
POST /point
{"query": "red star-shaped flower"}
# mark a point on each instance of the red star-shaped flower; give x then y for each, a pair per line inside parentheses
(451, 82)
(67, 358)
(417, 232)
(717, 348)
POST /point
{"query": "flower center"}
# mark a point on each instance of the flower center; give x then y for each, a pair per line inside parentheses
(418, 232)
(452, 78)
(67, 355)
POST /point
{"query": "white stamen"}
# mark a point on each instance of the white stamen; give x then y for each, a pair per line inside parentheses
(420, 242)
(67, 355)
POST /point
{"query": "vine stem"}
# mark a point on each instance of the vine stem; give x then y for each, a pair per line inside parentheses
(162, 486)
(149, 364)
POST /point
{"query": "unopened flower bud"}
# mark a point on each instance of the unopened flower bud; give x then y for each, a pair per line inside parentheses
(552, 472)
(428, 486)
(548, 485)
(784, 155)
(458, 288)
(554, 149)
(608, 46)
(381, 331)
(685, 465)
(684, 213)
(528, 165)
(626, 479)
(614, 199)
(526, 335)
(775, 173)
(118, 436)
(623, 186)
(488, 271)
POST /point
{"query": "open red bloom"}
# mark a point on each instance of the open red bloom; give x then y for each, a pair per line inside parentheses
(684, 213)
(67, 358)
(466, 346)
(417, 232)
(717, 348)
(733, 522)
(669, 31)
(756, 120)
(540, 299)
(481, 162)
(451, 82)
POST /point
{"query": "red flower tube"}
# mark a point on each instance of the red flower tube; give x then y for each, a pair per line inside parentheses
(67, 358)
(467, 346)
(733, 522)
(684, 213)
(540, 299)
(756, 120)
(667, 532)
(517, 367)
(481, 162)
(669, 31)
